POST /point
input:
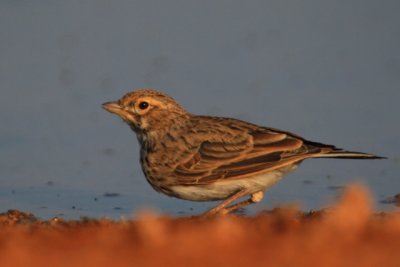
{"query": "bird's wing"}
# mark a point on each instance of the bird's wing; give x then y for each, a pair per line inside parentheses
(262, 150)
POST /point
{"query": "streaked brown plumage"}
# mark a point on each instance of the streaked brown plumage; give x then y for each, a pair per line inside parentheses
(204, 158)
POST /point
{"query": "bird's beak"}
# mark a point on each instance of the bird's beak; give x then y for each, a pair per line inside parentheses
(113, 107)
(128, 116)
(116, 108)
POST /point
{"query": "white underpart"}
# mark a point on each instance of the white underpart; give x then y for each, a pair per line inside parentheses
(224, 188)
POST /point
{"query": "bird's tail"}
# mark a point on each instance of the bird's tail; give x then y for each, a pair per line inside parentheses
(341, 154)
(329, 151)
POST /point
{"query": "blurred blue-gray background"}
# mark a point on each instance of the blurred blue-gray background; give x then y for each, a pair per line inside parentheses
(328, 71)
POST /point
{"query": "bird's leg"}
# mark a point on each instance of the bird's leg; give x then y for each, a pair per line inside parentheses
(255, 197)
(223, 204)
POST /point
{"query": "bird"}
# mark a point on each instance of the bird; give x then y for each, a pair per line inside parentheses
(209, 158)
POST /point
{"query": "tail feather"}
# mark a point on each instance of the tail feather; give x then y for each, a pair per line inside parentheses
(330, 151)
(348, 155)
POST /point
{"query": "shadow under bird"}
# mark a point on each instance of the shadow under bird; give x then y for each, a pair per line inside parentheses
(203, 158)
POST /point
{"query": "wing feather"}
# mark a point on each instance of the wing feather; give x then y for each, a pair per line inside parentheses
(261, 150)
(267, 137)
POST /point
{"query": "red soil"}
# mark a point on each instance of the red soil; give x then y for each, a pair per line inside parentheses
(347, 234)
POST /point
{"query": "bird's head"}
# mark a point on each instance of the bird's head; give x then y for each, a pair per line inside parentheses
(147, 110)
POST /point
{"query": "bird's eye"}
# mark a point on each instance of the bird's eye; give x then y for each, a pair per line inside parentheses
(143, 105)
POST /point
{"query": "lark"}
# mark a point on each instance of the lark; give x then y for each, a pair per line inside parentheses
(204, 158)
